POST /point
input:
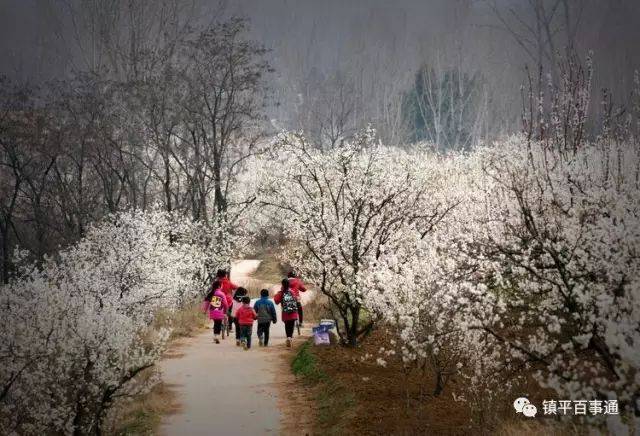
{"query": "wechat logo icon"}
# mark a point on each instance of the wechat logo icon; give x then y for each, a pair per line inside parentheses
(522, 405)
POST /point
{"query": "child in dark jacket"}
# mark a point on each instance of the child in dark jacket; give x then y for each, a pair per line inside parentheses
(245, 317)
(266, 311)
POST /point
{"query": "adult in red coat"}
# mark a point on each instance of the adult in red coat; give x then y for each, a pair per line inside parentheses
(297, 285)
(227, 287)
(289, 316)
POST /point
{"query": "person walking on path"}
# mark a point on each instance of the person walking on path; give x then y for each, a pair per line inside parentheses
(236, 304)
(266, 311)
(227, 287)
(245, 316)
(297, 285)
(216, 304)
(287, 301)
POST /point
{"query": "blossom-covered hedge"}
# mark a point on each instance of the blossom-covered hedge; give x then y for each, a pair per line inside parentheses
(75, 329)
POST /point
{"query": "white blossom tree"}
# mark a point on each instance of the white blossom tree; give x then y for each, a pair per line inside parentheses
(76, 330)
(559, 258)
(342, 209)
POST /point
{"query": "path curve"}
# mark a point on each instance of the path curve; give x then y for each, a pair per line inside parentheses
(222, 389)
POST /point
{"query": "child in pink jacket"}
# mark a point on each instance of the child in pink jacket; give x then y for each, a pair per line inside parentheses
(216, 303)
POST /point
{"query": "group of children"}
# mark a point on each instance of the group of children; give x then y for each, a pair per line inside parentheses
(226, 302)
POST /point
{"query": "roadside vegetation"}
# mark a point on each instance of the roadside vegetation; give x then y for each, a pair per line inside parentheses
(334, 400)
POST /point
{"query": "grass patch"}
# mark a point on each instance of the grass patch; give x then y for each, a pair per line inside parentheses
(306, 366)
(334, 402)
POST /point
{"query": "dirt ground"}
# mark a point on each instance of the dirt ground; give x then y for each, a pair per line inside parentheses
(223, 389)
(296, 403)
(380, 396)
(380, 403)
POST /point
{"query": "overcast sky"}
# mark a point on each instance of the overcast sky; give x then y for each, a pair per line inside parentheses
(324, 31)
(383, 42)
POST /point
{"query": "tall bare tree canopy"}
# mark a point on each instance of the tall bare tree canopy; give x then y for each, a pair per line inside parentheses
(355, 57)
(166, 127)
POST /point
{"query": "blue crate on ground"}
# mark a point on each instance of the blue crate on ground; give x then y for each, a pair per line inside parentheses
(321, 329)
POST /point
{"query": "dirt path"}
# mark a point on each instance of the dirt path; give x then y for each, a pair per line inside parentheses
(222, 389)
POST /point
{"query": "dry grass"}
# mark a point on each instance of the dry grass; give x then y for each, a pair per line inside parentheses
(141, 415)
(254, 285)
(183, 322)
(270, 269)
(317, 309)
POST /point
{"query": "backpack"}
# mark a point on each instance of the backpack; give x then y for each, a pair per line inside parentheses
(288, 303)
(216, 302)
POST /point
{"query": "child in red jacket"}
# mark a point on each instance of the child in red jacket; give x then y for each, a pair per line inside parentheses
(245, 317)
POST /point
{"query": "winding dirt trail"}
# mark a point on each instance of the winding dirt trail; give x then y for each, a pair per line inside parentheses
(221, 388)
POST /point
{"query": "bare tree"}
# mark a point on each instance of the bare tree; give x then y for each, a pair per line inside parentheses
(223, 109)
(125, 39)
(27, 156)
(446, 106)
(328, 107)
(538, 28)
(154, 104)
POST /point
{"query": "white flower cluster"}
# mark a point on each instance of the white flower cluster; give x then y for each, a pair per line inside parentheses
(75, 330)
(557, 263)
(515, 256)
(347, 208)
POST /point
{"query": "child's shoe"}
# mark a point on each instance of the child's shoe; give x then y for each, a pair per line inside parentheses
(260, 341)
(288, 342)
(237, 342)
(245, 347)
(216, 340)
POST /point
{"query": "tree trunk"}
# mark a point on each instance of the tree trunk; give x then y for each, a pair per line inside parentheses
(439, 384)
(6, 259)
(167, 183)
(219, 200)
(352, 331)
